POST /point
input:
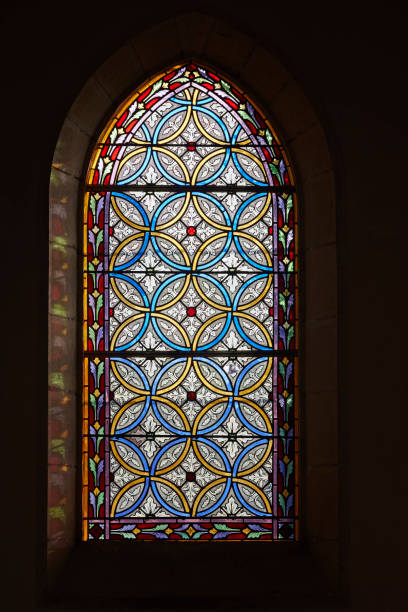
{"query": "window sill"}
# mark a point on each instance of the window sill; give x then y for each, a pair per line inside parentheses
(190, 575)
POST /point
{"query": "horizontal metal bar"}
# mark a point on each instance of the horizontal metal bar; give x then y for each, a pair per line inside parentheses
(198, 188)
(101, 145)
(202, 519)
(128, 271)
(177, 354)
(197, 435)
(187, 272)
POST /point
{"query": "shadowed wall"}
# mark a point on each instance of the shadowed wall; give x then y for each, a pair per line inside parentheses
(351, 72)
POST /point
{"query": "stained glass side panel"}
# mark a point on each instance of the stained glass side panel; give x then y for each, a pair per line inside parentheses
(190, 426)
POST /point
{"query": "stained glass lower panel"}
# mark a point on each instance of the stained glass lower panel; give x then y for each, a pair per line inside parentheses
(190, 448)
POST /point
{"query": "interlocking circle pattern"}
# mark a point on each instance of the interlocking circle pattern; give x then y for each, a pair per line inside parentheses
(192, 456)
(187, 276)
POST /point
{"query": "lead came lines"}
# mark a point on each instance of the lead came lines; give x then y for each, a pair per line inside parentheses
(190, 272)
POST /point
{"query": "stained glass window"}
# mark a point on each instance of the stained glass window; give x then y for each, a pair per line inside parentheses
(190, 429)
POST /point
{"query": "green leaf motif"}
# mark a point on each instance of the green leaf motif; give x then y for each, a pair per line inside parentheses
(99, 439)
(222, 527)
(282, 503)
(155, 87)
(99, 372)
(275, 170)
(99, 304)
(135, 115)
(245, 115)
(227, 87)
(269, 137)
(289, 470)
(113, 134)
(91, 334)
(290, 335)
(92, 467)
(161, 527)
(106, 170)
(99, 239)
(92, 205)
(201, 80)
(282, 237)
(99, 501)
(289, 203)
(282, 369)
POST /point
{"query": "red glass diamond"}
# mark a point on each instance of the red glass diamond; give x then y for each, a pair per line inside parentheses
(191, 230)
(96, 531)
(191, 311)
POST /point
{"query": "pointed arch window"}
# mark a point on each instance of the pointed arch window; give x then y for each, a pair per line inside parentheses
(190, 428)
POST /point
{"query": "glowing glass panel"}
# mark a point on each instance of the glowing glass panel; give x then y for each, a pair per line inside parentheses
(189, 427)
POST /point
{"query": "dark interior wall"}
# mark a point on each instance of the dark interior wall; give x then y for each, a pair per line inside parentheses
(350, 63)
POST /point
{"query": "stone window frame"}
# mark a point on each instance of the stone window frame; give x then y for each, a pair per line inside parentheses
(199, 37)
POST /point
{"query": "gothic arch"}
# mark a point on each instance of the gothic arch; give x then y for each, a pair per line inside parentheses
(196, 36)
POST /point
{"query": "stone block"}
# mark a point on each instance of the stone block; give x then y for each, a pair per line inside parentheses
(227, 47)
(91, 108)
(157, 48)
(62, 360)
(61, 514)
(293, 110)
(120, 73)
(322, 491)
(327, 556)
(318, 210)
(62, 428)
(193, 30)
(64, 195)
(310, 153)
(320, 355)
(265, 74)
(71, 149)
(321, 282)
(321, 428)
(63, 280)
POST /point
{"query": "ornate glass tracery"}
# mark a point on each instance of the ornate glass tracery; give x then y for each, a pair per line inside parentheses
(189, 426)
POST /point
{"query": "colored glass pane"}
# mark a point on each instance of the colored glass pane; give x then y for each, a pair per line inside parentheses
(190, 277)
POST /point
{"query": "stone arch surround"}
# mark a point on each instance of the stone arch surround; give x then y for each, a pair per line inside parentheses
(197, 36)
